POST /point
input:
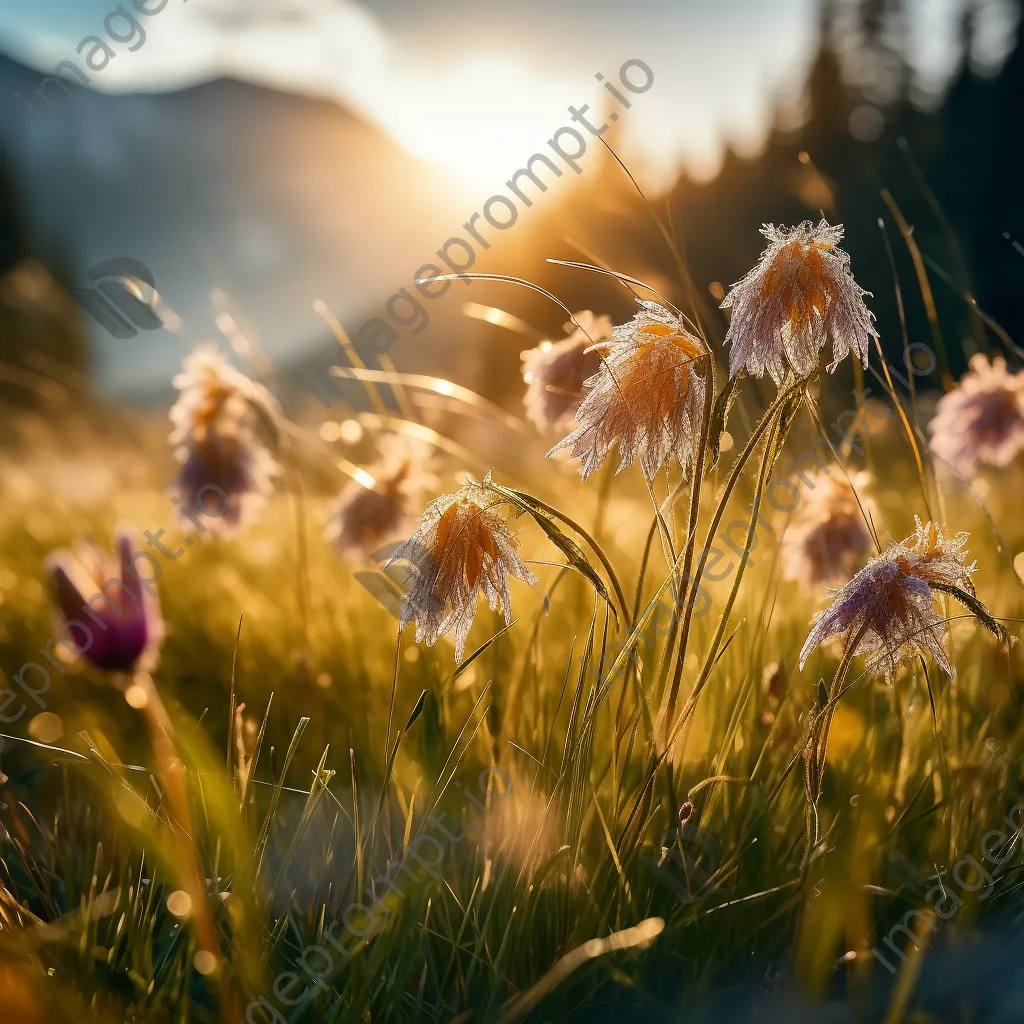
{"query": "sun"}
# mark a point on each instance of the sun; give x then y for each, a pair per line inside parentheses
(481, 120)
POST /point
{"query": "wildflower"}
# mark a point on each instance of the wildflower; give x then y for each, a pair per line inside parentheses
(461, 549)
(891, 603)
(363, 518)
(217, 419)
(108, 613)
(981, 421)
(556, 371)
(800, 293)
(645, 397)
(827, 535)
(371, 508)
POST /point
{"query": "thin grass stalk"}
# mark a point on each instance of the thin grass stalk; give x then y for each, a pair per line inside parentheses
(773, 447)
(594, 546)
(926, 290)
(840, 457)
(302, 578)
(626, 280)
(670, 730)
(922, 475)
(437, 385)
(604, 490)
(977, 323)
(341, 335)
(904, 334)
(681, 265)
(693, 510)
(815, 750)
(748, 449)
(972, 303)
(231, 742)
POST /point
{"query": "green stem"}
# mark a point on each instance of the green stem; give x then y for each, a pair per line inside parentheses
(693, 511)
(748, 450)
(775, 441)
(814, 772)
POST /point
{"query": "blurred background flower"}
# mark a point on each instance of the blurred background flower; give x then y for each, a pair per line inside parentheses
(828, 535)
(555, 371)
(220, 421)
(373, 507)
(980, 423)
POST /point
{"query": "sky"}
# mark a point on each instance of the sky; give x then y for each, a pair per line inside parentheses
(477, 84)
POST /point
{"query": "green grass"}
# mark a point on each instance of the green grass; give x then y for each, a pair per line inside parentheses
(366, 735)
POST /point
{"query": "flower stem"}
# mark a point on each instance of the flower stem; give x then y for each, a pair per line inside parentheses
(172, 775)
(817, 746)
(766, 420)
(776, 439)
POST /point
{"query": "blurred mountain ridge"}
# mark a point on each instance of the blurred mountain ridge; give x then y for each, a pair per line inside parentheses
(274, 199)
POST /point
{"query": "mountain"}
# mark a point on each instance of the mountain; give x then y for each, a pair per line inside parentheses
(274, 199)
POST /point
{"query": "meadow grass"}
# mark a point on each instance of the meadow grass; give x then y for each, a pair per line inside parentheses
(833, 797)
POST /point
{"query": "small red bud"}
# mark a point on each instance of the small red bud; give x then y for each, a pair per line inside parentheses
(684, 812)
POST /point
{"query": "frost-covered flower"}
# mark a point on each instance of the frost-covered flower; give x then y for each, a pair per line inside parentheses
(108, 612)
(371, 509)
(226, 469)
(555, 372)
(800, 294)
(894, 600)
(981, 421)
(462, 549)
(827, 535)
(646, 397)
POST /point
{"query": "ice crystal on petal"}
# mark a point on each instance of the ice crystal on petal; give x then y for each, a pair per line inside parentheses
(800, 294)
(647, 397)
(894, 599)
(462, 549)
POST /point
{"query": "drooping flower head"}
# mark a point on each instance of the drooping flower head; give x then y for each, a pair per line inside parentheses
(894, 600)
(226, 469)
(647, 397)
(107, 611)
(371, 509)
(827, 535)
(981, 421)
(463, 548)
(800, 294)
(555, 372)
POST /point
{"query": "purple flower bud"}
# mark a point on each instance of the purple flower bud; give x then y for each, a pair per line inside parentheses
(108, 613)
(684, 812)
